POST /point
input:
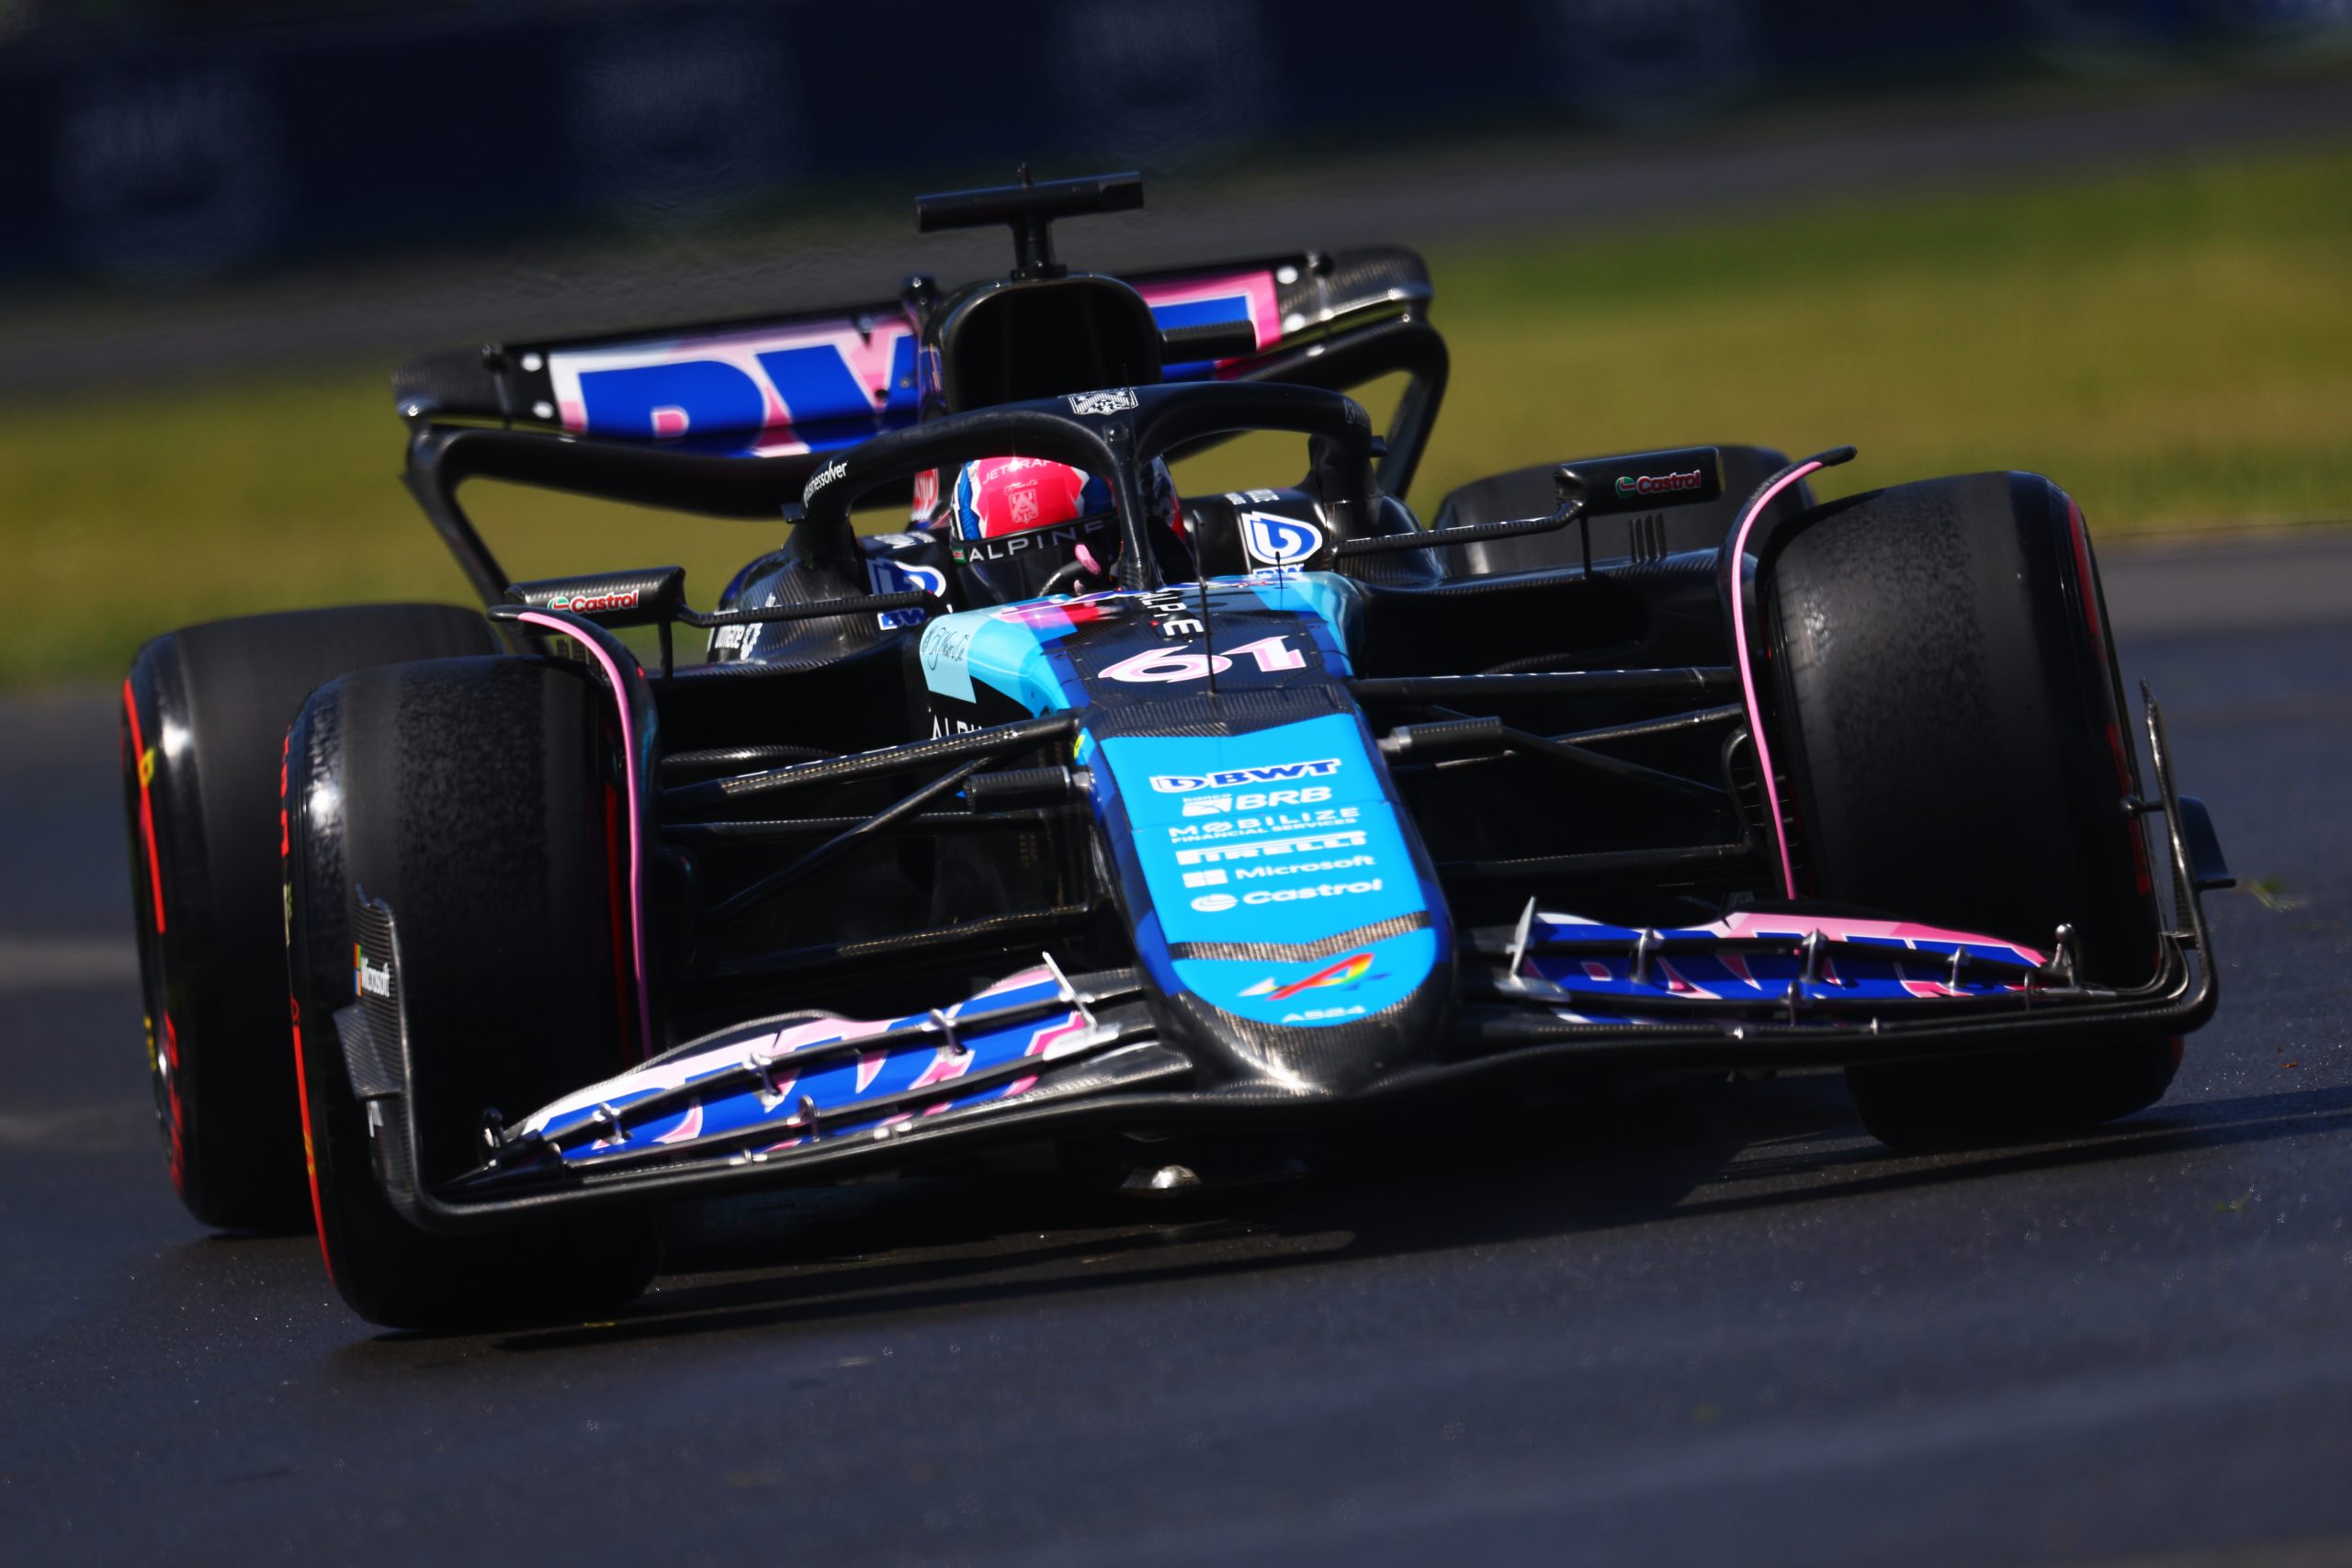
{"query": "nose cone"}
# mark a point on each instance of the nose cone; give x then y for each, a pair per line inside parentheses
(1282, 904)
(1317, 1025)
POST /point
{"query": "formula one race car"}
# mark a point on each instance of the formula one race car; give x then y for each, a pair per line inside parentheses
(1078, 813)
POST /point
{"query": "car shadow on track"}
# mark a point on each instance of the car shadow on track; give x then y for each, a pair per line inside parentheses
(1656, 1157)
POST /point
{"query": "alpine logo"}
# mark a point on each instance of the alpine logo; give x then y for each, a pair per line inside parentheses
(1346, 972)
(1274, 540)
(1185, 783)
(1117, 400)
(822, 478)
(1630, 486)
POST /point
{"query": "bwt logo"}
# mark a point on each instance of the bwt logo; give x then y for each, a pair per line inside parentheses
(1657, 484)
(1184, 783)
(825, 381)
(1272, 540)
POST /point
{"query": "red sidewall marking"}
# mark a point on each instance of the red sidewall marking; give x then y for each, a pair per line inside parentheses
(310, 1151)
(172, 1091)
(146, 802)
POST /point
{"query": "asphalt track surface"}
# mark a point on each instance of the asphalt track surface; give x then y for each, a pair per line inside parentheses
(1684, 1324)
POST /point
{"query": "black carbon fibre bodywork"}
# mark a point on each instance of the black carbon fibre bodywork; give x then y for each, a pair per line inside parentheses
(1557, 763)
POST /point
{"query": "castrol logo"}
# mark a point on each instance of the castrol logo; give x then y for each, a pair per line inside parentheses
(592, 603)
(1630, 486)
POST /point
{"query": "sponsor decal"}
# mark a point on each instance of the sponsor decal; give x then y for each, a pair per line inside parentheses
(1262, 497)
(822, 478)
(1023, 503)
(1270, 539)
(594, 604)
(1345, 862)
(1209, 878)
(1171, 613)
(1276, 772)
(1320, 890)
(1250, 850)
(1260, 800)
(1343, 974)
(1321, 1015)
(888, 576)
(369, 979)
(1324, 818)
(1004, 547)
(1217, 903)
(771, 388)
(1629, 486)
(1118, 400)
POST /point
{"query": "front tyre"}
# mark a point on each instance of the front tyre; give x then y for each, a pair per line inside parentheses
(1953, 719)
(203, 717)
(476, 798)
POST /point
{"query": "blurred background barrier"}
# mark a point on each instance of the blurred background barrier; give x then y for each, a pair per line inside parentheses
(159, 139)
(2107, 240)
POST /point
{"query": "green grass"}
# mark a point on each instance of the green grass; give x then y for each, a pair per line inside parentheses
(2175, 347)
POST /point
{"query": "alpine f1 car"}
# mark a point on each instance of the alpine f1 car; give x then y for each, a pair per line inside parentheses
(1077, 812)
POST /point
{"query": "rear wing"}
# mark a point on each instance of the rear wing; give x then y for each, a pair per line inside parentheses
(814, 380)
(668, 417)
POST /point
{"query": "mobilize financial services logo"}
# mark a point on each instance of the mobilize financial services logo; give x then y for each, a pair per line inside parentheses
(1185, 783)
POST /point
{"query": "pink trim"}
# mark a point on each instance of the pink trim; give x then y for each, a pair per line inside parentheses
(1839, 927)
(1747, 665)
(1255, 289)
(635, 836)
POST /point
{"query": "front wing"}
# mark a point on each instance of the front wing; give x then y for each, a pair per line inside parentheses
(1043, 1054)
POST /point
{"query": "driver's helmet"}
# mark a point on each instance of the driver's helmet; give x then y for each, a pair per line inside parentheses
(1017, 523)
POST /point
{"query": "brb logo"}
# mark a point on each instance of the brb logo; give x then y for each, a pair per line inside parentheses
(1270, 539)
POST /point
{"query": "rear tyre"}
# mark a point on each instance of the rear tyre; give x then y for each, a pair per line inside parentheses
(1953, 723)
(475, 797)
(205, 711)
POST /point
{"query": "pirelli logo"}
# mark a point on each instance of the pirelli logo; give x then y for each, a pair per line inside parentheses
(1312, 843)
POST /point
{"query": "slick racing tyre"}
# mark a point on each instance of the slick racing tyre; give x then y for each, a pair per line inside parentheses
(204, 717)
(1953, 727)
(476, 798)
